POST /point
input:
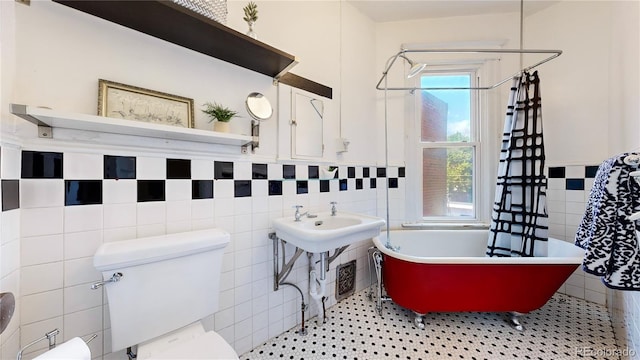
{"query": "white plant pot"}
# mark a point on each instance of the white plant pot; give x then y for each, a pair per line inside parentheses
(221, 126)
(327, 174)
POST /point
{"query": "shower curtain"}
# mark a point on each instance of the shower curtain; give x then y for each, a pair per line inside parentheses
(519, 221)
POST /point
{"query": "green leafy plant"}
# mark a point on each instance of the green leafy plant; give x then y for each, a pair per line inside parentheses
(219, 112)
(251, 12)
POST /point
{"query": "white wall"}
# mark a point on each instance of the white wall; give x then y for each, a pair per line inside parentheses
(53, 56)
(575, 87)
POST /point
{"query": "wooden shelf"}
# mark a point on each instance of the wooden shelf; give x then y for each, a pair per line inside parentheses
(306, 84)
(58, 119)
(176, 24)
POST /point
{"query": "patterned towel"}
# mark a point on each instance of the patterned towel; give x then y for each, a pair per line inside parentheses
(610, 239)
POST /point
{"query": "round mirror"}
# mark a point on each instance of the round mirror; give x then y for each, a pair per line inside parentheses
(259, 106)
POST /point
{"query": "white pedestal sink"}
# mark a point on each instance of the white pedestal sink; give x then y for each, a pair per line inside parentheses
(326, 232)
(318, 235)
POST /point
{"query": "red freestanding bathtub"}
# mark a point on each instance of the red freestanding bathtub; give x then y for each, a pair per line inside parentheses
(447, 271)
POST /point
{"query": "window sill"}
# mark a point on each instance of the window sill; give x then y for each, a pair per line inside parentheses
(445, 226)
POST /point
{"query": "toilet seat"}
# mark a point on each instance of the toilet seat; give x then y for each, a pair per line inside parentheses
(191, 342)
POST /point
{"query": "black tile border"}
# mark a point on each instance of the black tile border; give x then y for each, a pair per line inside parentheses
(351, 172)
(241, 188)
(223, 170)
(325, 186)
(201, 189)
(556, 172)
(590, 171)
(579, 183)
(574, 184)
(259, 171)
(288, 172)
(314, 172)
(119, 167)
(275, 187)
(151, 190)
(41, 165)
(343, 185)
(365, 172)
(82, 192)
(178, 169)
(10, 194)
(302, 187)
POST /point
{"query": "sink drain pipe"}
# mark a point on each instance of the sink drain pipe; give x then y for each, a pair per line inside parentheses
(314, 282)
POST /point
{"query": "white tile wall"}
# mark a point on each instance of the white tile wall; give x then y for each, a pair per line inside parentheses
(49, 221)
(81, 166)
(566, 208)
(202, 169)
(11, 253)
(57, 267)
(565, 212)
(41, 249)
(35, 193)
(119, 191)
(151, 168)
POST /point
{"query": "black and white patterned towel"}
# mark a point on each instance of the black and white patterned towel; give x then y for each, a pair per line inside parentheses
(610, 239)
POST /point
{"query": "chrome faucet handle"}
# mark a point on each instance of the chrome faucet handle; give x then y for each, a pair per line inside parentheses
(333, 208)
(297, 215)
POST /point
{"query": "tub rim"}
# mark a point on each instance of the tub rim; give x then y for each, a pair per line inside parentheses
(477, 259)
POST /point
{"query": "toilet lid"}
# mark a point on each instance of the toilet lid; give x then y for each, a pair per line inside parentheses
(209, 345)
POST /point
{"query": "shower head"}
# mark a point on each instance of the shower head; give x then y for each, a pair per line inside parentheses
(415, 69)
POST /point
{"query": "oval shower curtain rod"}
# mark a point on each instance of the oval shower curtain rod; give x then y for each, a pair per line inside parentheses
(401, 53)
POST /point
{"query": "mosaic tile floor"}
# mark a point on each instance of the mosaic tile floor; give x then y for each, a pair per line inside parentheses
(565, 328)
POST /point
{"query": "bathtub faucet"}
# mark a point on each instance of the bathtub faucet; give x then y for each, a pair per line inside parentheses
(391, 247)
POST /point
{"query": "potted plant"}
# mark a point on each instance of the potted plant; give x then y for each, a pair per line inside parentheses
(328, 172)
(221, 114)
(251, 16)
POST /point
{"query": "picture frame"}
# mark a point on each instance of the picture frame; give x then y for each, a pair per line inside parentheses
(121, 101)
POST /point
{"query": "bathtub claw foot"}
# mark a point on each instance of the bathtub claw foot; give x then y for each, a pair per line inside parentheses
(514, 321)
(418, 321)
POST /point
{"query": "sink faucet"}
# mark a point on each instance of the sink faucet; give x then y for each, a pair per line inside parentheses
(333, 208)
(298, 215)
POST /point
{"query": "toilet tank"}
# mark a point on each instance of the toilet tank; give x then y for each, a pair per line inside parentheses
(167, 282)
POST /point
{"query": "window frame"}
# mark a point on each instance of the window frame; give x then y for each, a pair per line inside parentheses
(475, 143)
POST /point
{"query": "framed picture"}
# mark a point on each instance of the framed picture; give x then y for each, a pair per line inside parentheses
(122, 101)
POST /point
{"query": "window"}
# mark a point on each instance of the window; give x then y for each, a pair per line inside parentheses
(448, 146)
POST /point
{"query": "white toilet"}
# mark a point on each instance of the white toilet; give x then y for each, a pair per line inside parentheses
(162, 287)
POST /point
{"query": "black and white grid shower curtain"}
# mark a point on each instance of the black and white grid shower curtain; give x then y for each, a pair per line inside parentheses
(519, 220)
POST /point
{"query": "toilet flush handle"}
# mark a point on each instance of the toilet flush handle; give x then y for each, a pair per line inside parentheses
(114, 278)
